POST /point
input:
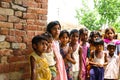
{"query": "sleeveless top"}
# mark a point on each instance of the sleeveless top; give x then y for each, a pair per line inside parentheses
(42, 68)
(75, 67)
(50, 58)
(99, 60)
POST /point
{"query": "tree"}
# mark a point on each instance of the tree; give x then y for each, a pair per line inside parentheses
(104, 12)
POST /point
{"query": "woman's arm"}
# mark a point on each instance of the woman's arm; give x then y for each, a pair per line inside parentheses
(33, 66)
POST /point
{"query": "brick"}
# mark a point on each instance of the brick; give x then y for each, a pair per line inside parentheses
(12, 67)
(18, 45)
(1, 68)
(18, 26)
(13, 19)
(4, 44)
(5, 5)
(29, 3)
(30, 21)
(4, 11)
(38, 1)
(17, 52)
(16, 59)
(19, 2)
(18, 13)
(4, 59)
(11, 38)
(5, 52)
(40, 22)
(30, 33)
(39, 32)
(2, 38)
(44, 17)
(44, 1)
(17, 7)
(31, 27)
(30, 15)
(4, 31)
(6, 0)
(43, 5)
(6, 24)
(26, 75)
(20, 33)
(3, 17)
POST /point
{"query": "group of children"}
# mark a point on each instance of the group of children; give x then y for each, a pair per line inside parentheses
(63, 55)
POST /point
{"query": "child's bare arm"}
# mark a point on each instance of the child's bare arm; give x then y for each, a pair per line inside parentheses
(106, 60)
(33, 66)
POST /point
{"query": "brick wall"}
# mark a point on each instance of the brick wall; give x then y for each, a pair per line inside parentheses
(20, 20)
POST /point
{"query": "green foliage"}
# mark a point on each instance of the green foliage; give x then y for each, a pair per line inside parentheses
(104, 12)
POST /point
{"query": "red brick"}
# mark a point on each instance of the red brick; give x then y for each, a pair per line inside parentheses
(16, 59)
(12, 67)
(6, 68)
(4, 31)
(5, 52)
(43, 17)
(26, 75)
(17, 52)
(30, 15)
(30, 4)
(1, 68)
(39, 32)
(44, 1)
(30, 33)
(31, 27)
(40, 22)
(38, 1)
(44, 6)
(3, 17)
(6, 25)
(18, 26)
(30, 21)
(7, 0)
(13, 19)
(10, 38)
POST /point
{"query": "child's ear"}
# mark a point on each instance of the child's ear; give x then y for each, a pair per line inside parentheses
(34, 46)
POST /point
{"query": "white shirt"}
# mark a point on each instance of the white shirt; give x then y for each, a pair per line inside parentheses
(112, 69)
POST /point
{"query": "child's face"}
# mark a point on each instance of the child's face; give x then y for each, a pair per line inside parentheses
(109, 35)
(55, 31)
(50, 43)
(84, 36)
(41, 46)
(99, 47)
(111, 49)
(64, 39)
(74, 37)
(95, 37)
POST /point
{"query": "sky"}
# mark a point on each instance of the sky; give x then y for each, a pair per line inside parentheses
(64, 10)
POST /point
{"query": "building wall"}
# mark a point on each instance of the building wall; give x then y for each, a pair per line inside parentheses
(20, 20)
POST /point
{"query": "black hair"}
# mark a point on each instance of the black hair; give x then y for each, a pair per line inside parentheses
(74, 31)
(111, 44)
(108, 29)
(92, 34)
(63, 32)
(98, 41)
(82, 30)
(51, 25)
(47, 35)
(36, 39)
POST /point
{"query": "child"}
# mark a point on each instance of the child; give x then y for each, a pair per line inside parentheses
(98, 61)
(112, 69)
(39, 66)
(83, 34)
(66, 53)
(54, 28)
(50, 56)
(76, 68)
(93, 36)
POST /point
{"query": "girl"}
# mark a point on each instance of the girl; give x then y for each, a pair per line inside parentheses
(50, 56)
(83, 34)
(66, 53)
(39, 66)
(54, 28)
(111, 72)
(98, 61)
(76, 68)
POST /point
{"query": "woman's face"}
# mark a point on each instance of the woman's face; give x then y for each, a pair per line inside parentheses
(55, 31)
(109, 35)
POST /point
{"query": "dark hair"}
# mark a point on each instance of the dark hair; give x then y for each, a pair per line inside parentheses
(63, 32)
(36, 39)
(47, 35)
(82, 30)
(51, 25)
(108, 29)
(111, 44)
(98, 41)
(92, 34)
(74, 31)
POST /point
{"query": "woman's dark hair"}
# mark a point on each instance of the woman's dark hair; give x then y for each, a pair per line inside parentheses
(63, 32)
(92, 34)
(74, 31)
(98, 41)
(36, 39)
(82, 30)
(51, 25)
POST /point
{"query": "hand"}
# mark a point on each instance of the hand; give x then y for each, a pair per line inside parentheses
(99, 65)
(70, 50)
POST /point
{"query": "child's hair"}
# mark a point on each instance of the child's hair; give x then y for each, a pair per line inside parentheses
(111, 44)
(51, 25)
(82, 30)
(47, 35)
(36, 39)
(74, 31)
(98, 41)
(108, 29)
(92, 34)
(63, 32)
